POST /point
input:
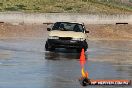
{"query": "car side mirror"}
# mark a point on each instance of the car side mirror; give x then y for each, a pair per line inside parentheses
(87, 31)
(48, 29)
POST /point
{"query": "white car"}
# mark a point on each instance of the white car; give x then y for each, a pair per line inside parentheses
(67, 35)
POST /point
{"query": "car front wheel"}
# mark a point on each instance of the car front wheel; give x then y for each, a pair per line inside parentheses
(48, 47)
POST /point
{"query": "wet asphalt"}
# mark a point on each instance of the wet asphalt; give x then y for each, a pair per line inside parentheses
(25, 64)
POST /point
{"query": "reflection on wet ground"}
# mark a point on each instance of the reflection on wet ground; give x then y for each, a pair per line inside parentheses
(25, 64)
(62, 53)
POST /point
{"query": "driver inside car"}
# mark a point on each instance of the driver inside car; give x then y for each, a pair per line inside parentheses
(62, 27)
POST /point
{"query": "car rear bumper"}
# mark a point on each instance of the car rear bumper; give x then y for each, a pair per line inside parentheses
(67, 43)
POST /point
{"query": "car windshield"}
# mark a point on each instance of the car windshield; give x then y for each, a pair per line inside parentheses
(65, 26)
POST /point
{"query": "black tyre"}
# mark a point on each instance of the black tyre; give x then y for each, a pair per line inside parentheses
(85, 49)
(85, 46)
(48, 48)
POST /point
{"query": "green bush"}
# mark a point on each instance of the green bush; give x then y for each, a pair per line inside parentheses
(80, 6)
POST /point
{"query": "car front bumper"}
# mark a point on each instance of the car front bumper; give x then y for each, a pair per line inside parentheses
(67, 43)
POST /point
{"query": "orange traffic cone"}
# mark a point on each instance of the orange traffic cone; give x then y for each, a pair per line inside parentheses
(82, 58)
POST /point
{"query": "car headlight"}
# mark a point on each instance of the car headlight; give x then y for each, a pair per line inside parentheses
(78, 39)
(53, 37)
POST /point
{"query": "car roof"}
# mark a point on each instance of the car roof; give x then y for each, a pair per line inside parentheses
(73, 22)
